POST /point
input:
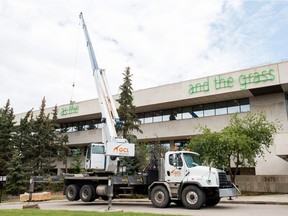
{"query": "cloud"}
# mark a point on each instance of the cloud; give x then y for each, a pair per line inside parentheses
(43, 50)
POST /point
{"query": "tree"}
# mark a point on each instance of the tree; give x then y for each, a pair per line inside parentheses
(7, 137)
(126, 109)
(130, 122)
(76, 160)
(238, 144)
(43, 142)
(17, 178)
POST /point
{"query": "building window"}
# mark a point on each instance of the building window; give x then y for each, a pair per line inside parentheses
(197, 111)
(187, 113)
(221, 108)
(209, 109)
(233, 106)
(244, 105)
(166, 115)
(148, 117)
(157, 116)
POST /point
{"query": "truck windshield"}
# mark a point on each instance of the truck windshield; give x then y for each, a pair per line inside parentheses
(191, 160)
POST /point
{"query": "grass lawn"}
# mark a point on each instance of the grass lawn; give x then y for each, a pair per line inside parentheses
(37, 212)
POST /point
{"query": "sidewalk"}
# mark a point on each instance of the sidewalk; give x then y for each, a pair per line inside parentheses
(277, 199)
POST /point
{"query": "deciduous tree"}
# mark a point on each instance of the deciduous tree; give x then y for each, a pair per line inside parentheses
(238, 144)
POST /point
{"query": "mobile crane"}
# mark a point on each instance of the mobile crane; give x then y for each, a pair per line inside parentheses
(177, 178)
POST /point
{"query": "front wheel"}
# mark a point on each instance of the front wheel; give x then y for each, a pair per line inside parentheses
(193, 197)
(160, 197)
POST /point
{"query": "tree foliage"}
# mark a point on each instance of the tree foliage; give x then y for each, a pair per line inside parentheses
(7, 137)
(238, 144)
(130, 122)
(30, 147)
(126, 109)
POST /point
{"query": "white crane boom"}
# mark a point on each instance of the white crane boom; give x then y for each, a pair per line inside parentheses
(114, 146)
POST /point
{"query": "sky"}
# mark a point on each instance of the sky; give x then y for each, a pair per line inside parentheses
(43, 49)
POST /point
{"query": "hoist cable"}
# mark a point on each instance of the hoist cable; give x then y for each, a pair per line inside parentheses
(75, 64)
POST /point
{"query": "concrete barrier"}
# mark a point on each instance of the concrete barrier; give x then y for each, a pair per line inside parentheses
(263, 183)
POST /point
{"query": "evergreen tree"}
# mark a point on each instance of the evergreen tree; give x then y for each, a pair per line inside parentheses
(76, 160)
(126, 109)
(130, 122)
(43, 142)
(7, 137)
(17, 178)
(60, 139)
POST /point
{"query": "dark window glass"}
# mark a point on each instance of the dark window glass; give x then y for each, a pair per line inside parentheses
(157, 116)
(148, 117)
(197, 111)
(221, 108)
(209, 110)
(233, 106)
(244, 105)
(166, 115)
(187, 113)
(141, 117)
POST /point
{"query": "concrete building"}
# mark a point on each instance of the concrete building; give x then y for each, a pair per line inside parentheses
(170, 113)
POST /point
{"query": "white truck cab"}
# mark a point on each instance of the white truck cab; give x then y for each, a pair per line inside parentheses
(182, 179)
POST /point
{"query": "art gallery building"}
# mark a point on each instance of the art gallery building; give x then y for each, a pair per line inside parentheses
(171, 113)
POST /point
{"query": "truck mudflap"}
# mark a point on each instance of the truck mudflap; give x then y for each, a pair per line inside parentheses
(229, 192)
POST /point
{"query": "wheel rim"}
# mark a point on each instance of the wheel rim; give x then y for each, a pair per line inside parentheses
(159, 197)
(85, 194)
(70, 193)
(192, 197)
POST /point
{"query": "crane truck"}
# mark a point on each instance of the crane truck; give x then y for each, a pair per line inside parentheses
(178, 177)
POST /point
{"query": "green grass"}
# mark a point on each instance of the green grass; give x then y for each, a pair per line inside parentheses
(37, 212)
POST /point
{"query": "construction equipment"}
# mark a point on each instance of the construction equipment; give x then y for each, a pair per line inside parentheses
(177, 178)
(103, 157)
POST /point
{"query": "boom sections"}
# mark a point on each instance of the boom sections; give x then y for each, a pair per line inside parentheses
(107, 105)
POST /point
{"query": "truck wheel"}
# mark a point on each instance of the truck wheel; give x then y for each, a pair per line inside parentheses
(87, 193)
(94, 194)
(160, 197)
(212, 201)
(72, 192)
(192, 197)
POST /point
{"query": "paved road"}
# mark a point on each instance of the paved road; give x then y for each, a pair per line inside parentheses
(221, 209)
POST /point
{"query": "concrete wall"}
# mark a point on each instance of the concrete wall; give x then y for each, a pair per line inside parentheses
(263, 183)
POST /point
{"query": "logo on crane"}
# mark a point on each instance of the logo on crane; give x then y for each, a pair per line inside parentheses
(120, 149)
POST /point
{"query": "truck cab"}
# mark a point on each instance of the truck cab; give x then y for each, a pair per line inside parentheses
(183, 180)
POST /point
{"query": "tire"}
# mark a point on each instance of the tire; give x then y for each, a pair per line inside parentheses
(212, 201)
(94, 194)
(72, 192)
(160, 197)
(193, 197)
(87, 193)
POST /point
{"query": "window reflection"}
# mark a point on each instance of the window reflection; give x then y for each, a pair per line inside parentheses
(189, 112)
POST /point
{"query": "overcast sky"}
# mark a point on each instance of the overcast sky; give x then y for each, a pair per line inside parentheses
(43, 50)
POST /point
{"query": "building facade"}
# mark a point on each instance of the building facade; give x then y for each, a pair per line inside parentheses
(171, 113)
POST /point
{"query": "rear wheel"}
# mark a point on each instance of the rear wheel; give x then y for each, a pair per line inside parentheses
(72, 192)
(87, 193)
(193, 197)
(160, 197)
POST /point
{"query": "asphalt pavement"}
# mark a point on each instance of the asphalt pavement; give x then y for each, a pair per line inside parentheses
(275, 199)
